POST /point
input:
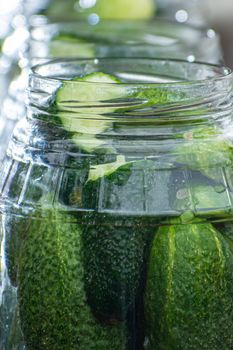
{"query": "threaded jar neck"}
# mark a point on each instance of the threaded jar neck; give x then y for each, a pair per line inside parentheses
(157, 89)
(150, 105)
(152, 119)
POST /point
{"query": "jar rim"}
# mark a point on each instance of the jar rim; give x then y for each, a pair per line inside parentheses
(39, 21)
(220, 72)
(181, 39)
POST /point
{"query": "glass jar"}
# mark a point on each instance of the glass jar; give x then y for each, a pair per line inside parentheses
(116, 201)
(105, 39)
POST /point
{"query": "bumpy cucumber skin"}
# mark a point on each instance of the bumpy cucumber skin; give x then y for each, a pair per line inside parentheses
(189, 290)
(53, 307)
(113, 246)
(113, 261)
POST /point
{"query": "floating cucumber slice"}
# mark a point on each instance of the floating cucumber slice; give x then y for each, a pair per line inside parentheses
(121, 9)
(85, 100)
(84, 124)
(188, 293)
(87, 92)
(65, 45)
(101, 170)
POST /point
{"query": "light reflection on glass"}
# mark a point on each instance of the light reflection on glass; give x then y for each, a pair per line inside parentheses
(211, 33)
(93, 19)
(191, 58)
(181, 16)
(85, 4)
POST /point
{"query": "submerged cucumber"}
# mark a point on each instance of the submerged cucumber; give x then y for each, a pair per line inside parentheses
(189, 290)
(54, 311)
(115, 245)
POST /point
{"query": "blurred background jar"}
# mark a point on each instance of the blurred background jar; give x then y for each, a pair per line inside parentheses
(8, 13)
(213, 13)
(95, 10)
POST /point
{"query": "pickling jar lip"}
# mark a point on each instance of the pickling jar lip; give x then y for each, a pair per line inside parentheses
(223, 73)
(182, 40)
(40, 22)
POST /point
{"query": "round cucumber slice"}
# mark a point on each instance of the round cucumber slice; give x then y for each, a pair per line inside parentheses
(89, 92)
(121, 9)
(85, 104)
(84, 124)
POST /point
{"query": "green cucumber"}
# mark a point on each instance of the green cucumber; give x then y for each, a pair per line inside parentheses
(189, 289)
(115, 242)
(53, 306)
(85, 89)
(82, 106)
(113, 265)
(14, 229)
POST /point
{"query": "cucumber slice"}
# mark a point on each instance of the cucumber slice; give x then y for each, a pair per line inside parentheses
(90, 93)
(88, 143)
(86, 101)
(65, 45)
(121, 9)
(101, 170)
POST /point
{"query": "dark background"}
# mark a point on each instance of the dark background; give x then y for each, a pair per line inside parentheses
(225, 30)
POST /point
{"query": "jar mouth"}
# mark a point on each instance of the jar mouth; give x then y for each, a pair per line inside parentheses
(113, 38)
(164, 33)
(133, 71)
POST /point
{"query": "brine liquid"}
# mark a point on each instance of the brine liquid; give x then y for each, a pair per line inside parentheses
(77, 284)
